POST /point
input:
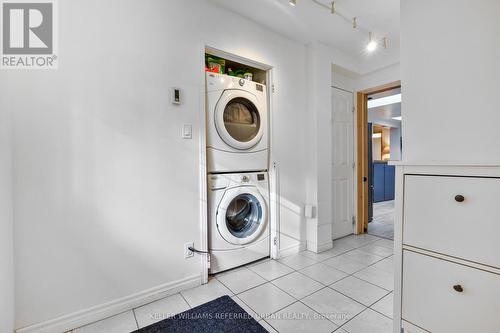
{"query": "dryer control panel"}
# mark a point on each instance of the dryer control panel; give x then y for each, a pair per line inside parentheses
(222, 181)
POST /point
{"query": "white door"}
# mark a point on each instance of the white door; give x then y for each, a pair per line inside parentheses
(342, 163)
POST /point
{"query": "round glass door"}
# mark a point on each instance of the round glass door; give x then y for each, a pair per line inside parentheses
(238, 119)
(241, 215)
(241, 119)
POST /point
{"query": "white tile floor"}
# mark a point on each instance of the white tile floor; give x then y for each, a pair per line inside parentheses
(345, 289)
(382, 224)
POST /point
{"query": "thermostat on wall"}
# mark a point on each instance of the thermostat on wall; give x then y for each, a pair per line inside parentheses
(176, 96)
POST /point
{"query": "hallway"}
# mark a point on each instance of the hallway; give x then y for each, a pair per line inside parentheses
(383, 220)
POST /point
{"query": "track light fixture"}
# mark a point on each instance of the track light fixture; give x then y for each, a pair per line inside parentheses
(372, 45)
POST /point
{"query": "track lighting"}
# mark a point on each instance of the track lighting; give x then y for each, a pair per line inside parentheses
(331, 6)
(292, 2)
(372, 45)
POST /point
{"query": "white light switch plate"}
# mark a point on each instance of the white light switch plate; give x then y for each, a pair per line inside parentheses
(187, 131)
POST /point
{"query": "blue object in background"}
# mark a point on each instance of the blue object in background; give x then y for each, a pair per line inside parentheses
(390, 179)
(383, 181)
(378, 181)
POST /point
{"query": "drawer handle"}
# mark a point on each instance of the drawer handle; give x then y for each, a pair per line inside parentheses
(459, 198)
(458, 288)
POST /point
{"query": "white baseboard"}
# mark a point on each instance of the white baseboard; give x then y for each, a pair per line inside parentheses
(325, 246)
(99, 312)
(301, 246)
(317, 248)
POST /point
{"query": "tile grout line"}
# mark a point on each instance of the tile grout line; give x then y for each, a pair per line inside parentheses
(366, 306)
(185, 300)
(135, 318)
(322, 282)
(379, 311)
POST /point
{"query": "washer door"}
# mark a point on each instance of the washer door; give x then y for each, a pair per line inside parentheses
(241, 215)
(238, 120)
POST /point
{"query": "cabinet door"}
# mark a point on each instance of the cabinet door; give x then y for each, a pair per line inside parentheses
(389, 180)
(378, 182)
(444, 297)
(455, 216)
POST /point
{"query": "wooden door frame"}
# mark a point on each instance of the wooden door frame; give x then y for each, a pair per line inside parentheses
(362, 152)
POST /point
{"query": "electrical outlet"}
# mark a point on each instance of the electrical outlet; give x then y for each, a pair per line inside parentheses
(187, 252)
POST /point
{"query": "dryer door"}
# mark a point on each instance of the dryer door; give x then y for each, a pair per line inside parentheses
(241, 215)
(238, 119)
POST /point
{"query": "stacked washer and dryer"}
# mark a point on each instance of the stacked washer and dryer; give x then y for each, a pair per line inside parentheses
(237, 163)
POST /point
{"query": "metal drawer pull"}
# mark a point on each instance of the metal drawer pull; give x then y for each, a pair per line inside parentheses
(459, 198)
(458, 288)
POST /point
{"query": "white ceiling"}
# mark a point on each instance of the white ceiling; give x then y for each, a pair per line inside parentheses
(308, 22)
(382, 115)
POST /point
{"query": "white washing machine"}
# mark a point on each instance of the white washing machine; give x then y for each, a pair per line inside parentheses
(238, 220)
(237, 124)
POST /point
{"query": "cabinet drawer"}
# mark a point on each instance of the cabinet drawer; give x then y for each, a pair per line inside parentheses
(436, 220)
(431, 302)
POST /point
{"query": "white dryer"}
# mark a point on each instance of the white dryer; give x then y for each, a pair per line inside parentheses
(238, 220)
(237, 124)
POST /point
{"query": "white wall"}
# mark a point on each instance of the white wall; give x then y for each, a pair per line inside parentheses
(450, 69)
(319, 172)
(396, 144)
(105, 190)
(344, 79)
(6, 218)
(379, 77)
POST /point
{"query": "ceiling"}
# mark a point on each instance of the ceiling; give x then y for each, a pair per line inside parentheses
(382, 115)
(308, 22)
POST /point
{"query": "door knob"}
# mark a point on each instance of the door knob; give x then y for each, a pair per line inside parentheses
(458, 288)
(459, 198)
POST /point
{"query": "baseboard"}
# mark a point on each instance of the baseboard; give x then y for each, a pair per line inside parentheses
(317, 248)
(99, 312)
(325, 246)
(301, 246)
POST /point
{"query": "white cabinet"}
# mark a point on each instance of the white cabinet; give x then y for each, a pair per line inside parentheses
(447, 249)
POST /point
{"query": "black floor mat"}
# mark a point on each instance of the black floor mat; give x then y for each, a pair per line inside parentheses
(219, 315)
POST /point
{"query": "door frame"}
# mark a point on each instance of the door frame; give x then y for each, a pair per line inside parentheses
(273, 167)
(362, 152)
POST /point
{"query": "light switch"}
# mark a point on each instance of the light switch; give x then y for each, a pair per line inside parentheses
(187, 131)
